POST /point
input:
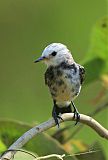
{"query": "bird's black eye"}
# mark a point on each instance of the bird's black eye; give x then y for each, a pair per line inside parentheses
(53, 53)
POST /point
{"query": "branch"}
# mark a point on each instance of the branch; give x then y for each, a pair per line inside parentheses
(79, 127)
(51, 123)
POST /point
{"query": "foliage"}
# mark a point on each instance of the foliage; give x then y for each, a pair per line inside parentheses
(96, 61)
(41, 145)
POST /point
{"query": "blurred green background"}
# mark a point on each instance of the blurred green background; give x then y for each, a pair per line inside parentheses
(26, 27)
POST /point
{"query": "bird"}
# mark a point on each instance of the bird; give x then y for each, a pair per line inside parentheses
(64, 78)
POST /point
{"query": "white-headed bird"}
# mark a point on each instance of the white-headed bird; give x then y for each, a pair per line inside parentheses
(64, 78)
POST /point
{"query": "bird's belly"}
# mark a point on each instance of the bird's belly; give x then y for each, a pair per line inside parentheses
(65, 91)
(64, 94)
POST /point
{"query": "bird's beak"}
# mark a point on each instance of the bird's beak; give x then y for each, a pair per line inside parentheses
(39, 59)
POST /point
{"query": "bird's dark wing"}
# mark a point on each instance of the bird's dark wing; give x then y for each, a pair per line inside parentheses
(46, 77)
(82, 73)
(49, 75)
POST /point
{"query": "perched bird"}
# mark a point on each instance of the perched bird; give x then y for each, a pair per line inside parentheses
(64, 78)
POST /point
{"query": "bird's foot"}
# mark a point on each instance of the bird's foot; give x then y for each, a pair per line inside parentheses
(76, 114)
(56, 118)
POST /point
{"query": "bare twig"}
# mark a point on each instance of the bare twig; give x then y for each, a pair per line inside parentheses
(60, 157)
(50, 123)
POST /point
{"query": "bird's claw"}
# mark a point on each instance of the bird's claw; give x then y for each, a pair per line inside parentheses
(57, 118)
(60, 118)
(76, 114)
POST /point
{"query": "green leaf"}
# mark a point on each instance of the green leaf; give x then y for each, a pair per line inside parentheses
(94, 69)
(24, 155)
(99, 40)
(96, 60)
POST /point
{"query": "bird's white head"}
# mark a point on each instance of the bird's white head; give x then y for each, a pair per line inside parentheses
(54, 54)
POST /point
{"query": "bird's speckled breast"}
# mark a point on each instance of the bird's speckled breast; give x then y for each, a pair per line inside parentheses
(64, 81)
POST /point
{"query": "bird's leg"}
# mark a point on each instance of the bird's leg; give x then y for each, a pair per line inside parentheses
(76, 113)
(55, 115)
